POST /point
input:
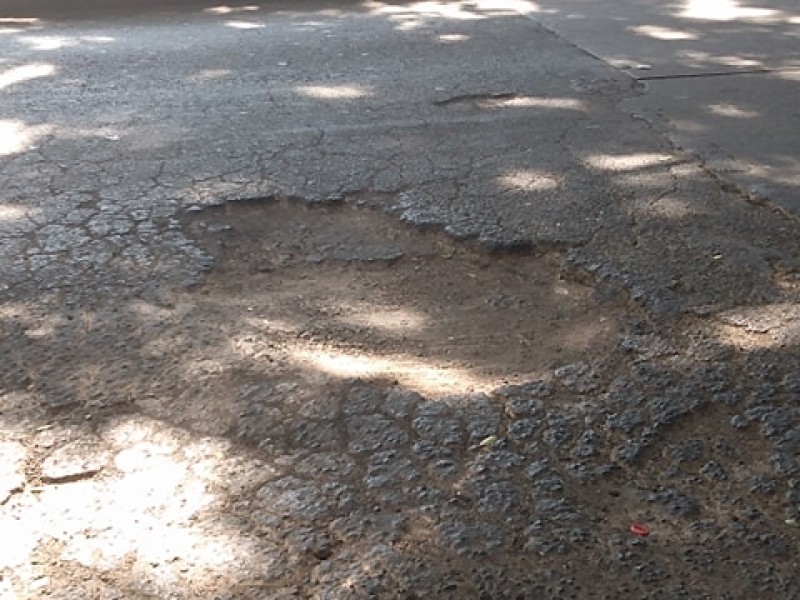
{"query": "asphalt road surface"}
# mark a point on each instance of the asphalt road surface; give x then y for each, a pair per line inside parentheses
(389, 300)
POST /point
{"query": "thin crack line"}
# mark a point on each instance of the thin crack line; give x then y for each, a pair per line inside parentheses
(708, 74)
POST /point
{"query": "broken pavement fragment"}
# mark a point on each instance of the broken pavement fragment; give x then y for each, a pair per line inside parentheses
(76, 460)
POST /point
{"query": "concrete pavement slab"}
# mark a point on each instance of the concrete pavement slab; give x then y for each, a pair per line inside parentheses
(721, 78)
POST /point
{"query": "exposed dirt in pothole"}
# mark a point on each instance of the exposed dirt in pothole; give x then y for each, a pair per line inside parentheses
(355, 293)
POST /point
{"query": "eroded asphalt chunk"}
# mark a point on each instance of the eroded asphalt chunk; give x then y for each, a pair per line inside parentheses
(404, 332)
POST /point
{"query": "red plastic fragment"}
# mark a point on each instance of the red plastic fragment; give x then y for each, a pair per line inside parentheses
(640, 530)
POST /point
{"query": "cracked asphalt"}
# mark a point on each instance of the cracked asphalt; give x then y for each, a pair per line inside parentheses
(378, 301)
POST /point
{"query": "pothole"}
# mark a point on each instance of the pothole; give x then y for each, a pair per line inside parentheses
(352, 292)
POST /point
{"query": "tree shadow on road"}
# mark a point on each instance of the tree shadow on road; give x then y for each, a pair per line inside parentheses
(575, 329)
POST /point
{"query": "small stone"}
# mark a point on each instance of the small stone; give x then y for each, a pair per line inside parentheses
(519, 406)
(323, 552)
(790, 441)
(544, 545)
(739, 422)
(648, 346)
(496, 497)
(762, 485)
(522, 430)
(76, 460)
(713, 470)
(666, 411)
(549, 484)
(757, 412)
(629, 452)
(557, 436)
(532, 389)
(298, 499)
(327, 465)
(444, 431)
(430, 408)
(369, 433)
(399, 403)
(587, 445)
(482, 419)
(625, 421)
(555, 508)
(729, 398)
(578, 377)
(677, 502)
(687, 451)
(791, 382)
(473, 539)
(387, 468)
(444, 467)
(313, 434)
(784, 464)
(775, 423)
(581, 471)
(504, 458)
(537, 467)
(427, 450)
(362, 399)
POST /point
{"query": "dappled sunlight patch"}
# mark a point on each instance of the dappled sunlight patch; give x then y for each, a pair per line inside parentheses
(17, 137)
(394, 319)
(9, 212)
(19, 20)
(46, 327)
(14, 25)
(57, 42)
(334, 92)
(628, 162)
(745, 340)
(535, 102)
(153, 503)
(268, 324)
(764, 318)
(671, 208)
(725, 10)
(505, 100)
(788, 75)
(759, 327)
(25, 73)
(414, 373)
(689, 126)
(451, 38)
(226, 10)
(16, 554)
(505, 6)
(147, 311)
(704, 59)
(732, 111)
(245, 24)
(210, 75)
(413, 14)
(423, 9)
(15, 311)
(663, 33)
(528, 180)
(105, 132)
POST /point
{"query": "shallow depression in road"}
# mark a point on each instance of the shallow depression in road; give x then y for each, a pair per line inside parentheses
(351, 292)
